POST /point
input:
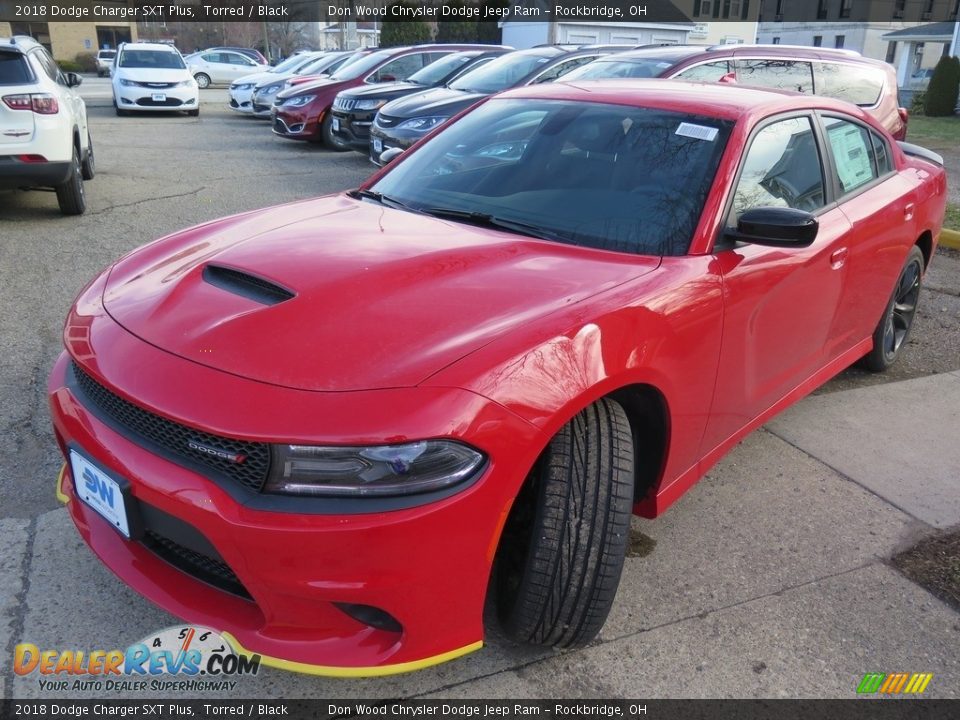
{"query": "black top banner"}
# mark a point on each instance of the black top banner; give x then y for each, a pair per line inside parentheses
(576, 11)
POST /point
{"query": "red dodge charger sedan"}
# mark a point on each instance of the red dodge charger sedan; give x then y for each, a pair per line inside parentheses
(334, 429)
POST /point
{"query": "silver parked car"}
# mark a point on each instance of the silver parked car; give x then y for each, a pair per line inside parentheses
(221, 67)
(266, 90)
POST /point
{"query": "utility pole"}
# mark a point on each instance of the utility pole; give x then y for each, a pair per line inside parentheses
(266, 40)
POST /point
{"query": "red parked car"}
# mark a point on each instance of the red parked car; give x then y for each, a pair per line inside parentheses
(302, 112)
(333, 428)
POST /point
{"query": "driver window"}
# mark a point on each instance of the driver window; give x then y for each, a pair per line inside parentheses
(782, 169)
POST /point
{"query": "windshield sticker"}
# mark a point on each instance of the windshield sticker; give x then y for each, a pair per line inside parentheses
(700, 132)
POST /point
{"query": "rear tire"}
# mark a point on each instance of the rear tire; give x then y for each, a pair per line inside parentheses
(203, 80)
(70, 193)
(893, 330)
(88, 167)
(329, 138)
(560, 558)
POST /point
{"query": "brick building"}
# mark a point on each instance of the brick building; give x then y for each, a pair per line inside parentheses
(66, 40)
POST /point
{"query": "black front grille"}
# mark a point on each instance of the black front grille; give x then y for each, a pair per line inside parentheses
(203, 567)
(386, 120)
(150, 102)
(257, 107)
(241, 461)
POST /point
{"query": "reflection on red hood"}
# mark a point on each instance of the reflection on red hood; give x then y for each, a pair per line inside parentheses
(381, 297)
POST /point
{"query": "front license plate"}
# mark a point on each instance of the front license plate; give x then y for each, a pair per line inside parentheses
(99, 491)
(159, 97)
(377, 145)
(335, 124)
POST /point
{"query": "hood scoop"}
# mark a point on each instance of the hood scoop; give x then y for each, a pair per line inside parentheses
(246, 285)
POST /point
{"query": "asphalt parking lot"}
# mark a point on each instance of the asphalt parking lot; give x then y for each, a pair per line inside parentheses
(770, 579)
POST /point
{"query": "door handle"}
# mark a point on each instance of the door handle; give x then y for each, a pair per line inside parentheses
(908, 211)
(838, 258)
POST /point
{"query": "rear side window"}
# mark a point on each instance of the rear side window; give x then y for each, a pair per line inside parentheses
(14, 69)
(854, 153)
(705, 72)
(780, 74)
(561, 69)
(860, 85)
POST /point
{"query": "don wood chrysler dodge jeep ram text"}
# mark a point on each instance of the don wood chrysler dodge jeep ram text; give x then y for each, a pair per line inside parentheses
(334, 429)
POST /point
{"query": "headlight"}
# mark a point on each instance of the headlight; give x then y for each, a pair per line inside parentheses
(371, 104)
(186, 83)
(270, 89)
(244, 86)
(129, 83)
(379, 470)
(422, 124)
(299, 100)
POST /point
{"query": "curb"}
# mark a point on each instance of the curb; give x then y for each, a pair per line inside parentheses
(950, 239)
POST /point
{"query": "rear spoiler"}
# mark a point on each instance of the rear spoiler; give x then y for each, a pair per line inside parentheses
(920, 152)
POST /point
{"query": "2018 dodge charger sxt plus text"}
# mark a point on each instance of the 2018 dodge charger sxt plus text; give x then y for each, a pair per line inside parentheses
(330, 429)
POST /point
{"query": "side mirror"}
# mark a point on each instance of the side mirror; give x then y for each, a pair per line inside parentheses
(776, 227)
(390, 154)
(73, 80)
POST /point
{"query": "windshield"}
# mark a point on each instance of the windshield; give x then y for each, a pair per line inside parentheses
(107, 54)
(153, 59)
(433, 73)
(367, 62)
(499, 74)
(609, 68)
(612, 177)
(290, 64)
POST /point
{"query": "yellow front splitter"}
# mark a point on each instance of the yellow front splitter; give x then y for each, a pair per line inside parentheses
(354, 672)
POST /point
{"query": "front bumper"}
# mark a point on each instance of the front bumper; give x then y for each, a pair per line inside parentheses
(241, 100)
(381, 140)
(147, 99)
(427, 566)
(296, 123)
(354, 128)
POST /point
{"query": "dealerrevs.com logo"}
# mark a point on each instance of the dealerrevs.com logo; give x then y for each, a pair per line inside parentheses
(180, 658)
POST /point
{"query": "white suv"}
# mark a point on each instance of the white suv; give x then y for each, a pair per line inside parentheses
(44, 139)
(153, 76)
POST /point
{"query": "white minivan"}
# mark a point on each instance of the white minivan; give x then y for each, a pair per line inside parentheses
(153, 76)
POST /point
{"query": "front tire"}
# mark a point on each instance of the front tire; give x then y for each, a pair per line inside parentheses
(329, 137)
(70, 193)
(559, 561)
(194, 113)
(893, 330)
(203, 80)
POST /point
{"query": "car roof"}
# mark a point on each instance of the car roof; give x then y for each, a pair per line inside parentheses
(677, 53)
(18, 43)
(723, 101)
(163, 47)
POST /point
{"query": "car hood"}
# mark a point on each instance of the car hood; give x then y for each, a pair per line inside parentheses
(439, 101)
(312, 85)
(258, 77)
(152, 75)
(380, 297)
(383, 90)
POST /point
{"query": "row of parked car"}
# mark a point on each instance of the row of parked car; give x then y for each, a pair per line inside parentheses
(376, 100)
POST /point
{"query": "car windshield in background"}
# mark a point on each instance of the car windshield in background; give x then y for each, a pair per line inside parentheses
(437, 71)
(352, 71)
(612, 177)
(609, 68)
(107, 54)
(14, 69)
(499, 74)
(154, 59)
(290, 63)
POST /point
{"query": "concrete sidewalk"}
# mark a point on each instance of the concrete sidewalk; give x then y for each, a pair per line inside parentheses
(769, 579)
